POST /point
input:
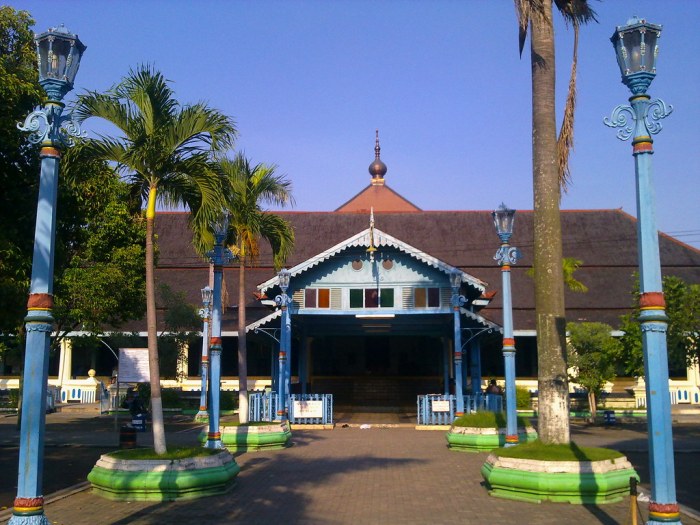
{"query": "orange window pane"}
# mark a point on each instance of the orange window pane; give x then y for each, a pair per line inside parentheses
(324, 298)
(420, 298)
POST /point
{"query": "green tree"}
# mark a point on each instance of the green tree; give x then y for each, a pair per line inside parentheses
(683, 333)
(549, 176)
(164, 155)
(593, 356)
(181, 324)
(20, 93)
(248, 189)
(569, 267)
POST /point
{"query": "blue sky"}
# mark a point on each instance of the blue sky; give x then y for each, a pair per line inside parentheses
(308, 82)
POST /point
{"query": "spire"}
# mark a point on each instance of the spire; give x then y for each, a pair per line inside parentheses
(371, 248)
(377, 169)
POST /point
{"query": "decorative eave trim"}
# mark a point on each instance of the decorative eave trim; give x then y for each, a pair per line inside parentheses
(262, 322)
(380, 239)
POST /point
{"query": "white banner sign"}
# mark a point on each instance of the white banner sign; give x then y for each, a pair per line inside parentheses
(308, 409)
(133, 365)
(441, 406)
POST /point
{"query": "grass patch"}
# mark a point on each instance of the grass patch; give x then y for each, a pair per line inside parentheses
(571, 452)
(487, 420)
(249, 424)
(174, 453)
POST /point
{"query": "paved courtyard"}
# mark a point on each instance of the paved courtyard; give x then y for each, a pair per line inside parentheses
(350, 475)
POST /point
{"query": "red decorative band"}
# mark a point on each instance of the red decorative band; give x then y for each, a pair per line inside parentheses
(643, 147)
(652, 301)
(512, 439)
(280, 412)
(40, 301)
(214, 435)
(49, 151)
(283, 355)
(505, 268)
(215, 341)
(459, 414)
(29, 502)
(205, 359)
(664, 512)
(202, 408)
(508, 341)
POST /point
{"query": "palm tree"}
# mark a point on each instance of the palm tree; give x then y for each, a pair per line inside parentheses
(248, 187)
(164, 155)
(549, 177)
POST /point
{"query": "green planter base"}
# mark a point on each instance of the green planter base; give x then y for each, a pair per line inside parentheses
(163, 480)
(274, 435)
(473, 439)
(578, 482)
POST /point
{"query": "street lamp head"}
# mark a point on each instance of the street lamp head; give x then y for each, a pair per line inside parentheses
(284, 277)
(636, 49)
(220, 226)
(503, 219)
(207, 295)
(58, 53)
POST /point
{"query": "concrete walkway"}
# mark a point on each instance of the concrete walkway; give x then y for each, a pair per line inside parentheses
(350, 475)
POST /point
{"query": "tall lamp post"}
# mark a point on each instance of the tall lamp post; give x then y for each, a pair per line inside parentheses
(218, 256)
(457, 302)
(205, 313)
(503, 219)
(636, 49)
(59, 53)
(283, 301)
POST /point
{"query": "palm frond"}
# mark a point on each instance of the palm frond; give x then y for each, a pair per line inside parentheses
(565, 142)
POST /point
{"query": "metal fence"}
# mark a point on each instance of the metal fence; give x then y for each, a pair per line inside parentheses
(304, 409)
(262, 406)
(311, 409)
(440, 409)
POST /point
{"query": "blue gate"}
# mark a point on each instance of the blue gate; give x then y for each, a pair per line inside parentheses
(262, 406)
(439, 409)
(311, 409)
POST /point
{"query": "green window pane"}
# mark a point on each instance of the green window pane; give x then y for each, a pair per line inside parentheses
(356, 297)
(387, 298)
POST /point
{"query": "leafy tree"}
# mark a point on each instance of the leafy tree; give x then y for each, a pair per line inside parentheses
(20, 93)
(549, 176)
(248, 188)
(593, 355)
(181, 324)
(164, 154)
(99, 238)
(683, 333)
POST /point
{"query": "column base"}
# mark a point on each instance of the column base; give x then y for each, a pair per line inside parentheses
(202, 416)
(663, 513)
(35, 519)
(29, 511)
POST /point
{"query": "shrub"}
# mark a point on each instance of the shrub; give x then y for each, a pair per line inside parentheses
(228, 400)
(487, 420)
(522, 398)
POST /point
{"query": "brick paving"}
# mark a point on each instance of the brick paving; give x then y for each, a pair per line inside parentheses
(376, 475)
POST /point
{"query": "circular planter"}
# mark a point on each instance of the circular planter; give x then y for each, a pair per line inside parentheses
(163, 479)
(473, 439)
(274, 435)
(579, 482)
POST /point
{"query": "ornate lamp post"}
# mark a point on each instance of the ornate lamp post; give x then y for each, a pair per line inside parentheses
(204, 312)
(59, 53)
(457, 302)
(636, 48)
(506, 255)
(283, 301)
(218, 256)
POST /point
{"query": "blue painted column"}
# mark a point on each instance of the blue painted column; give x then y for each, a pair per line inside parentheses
(509, 359)
(29, 503)
(663, 507)
(203, 415)
(215, 346)
(636, 49)
(446, 366)
(475, 365)
(283, 302)
(457, 302)
(218, 256)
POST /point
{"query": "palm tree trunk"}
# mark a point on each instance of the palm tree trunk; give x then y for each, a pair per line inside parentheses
(549, 280)
(153, 363)
(242, 348)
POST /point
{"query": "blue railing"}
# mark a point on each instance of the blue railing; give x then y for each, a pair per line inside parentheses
(440, 409)
(311, 409)
(262, 406)
(304, 409)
